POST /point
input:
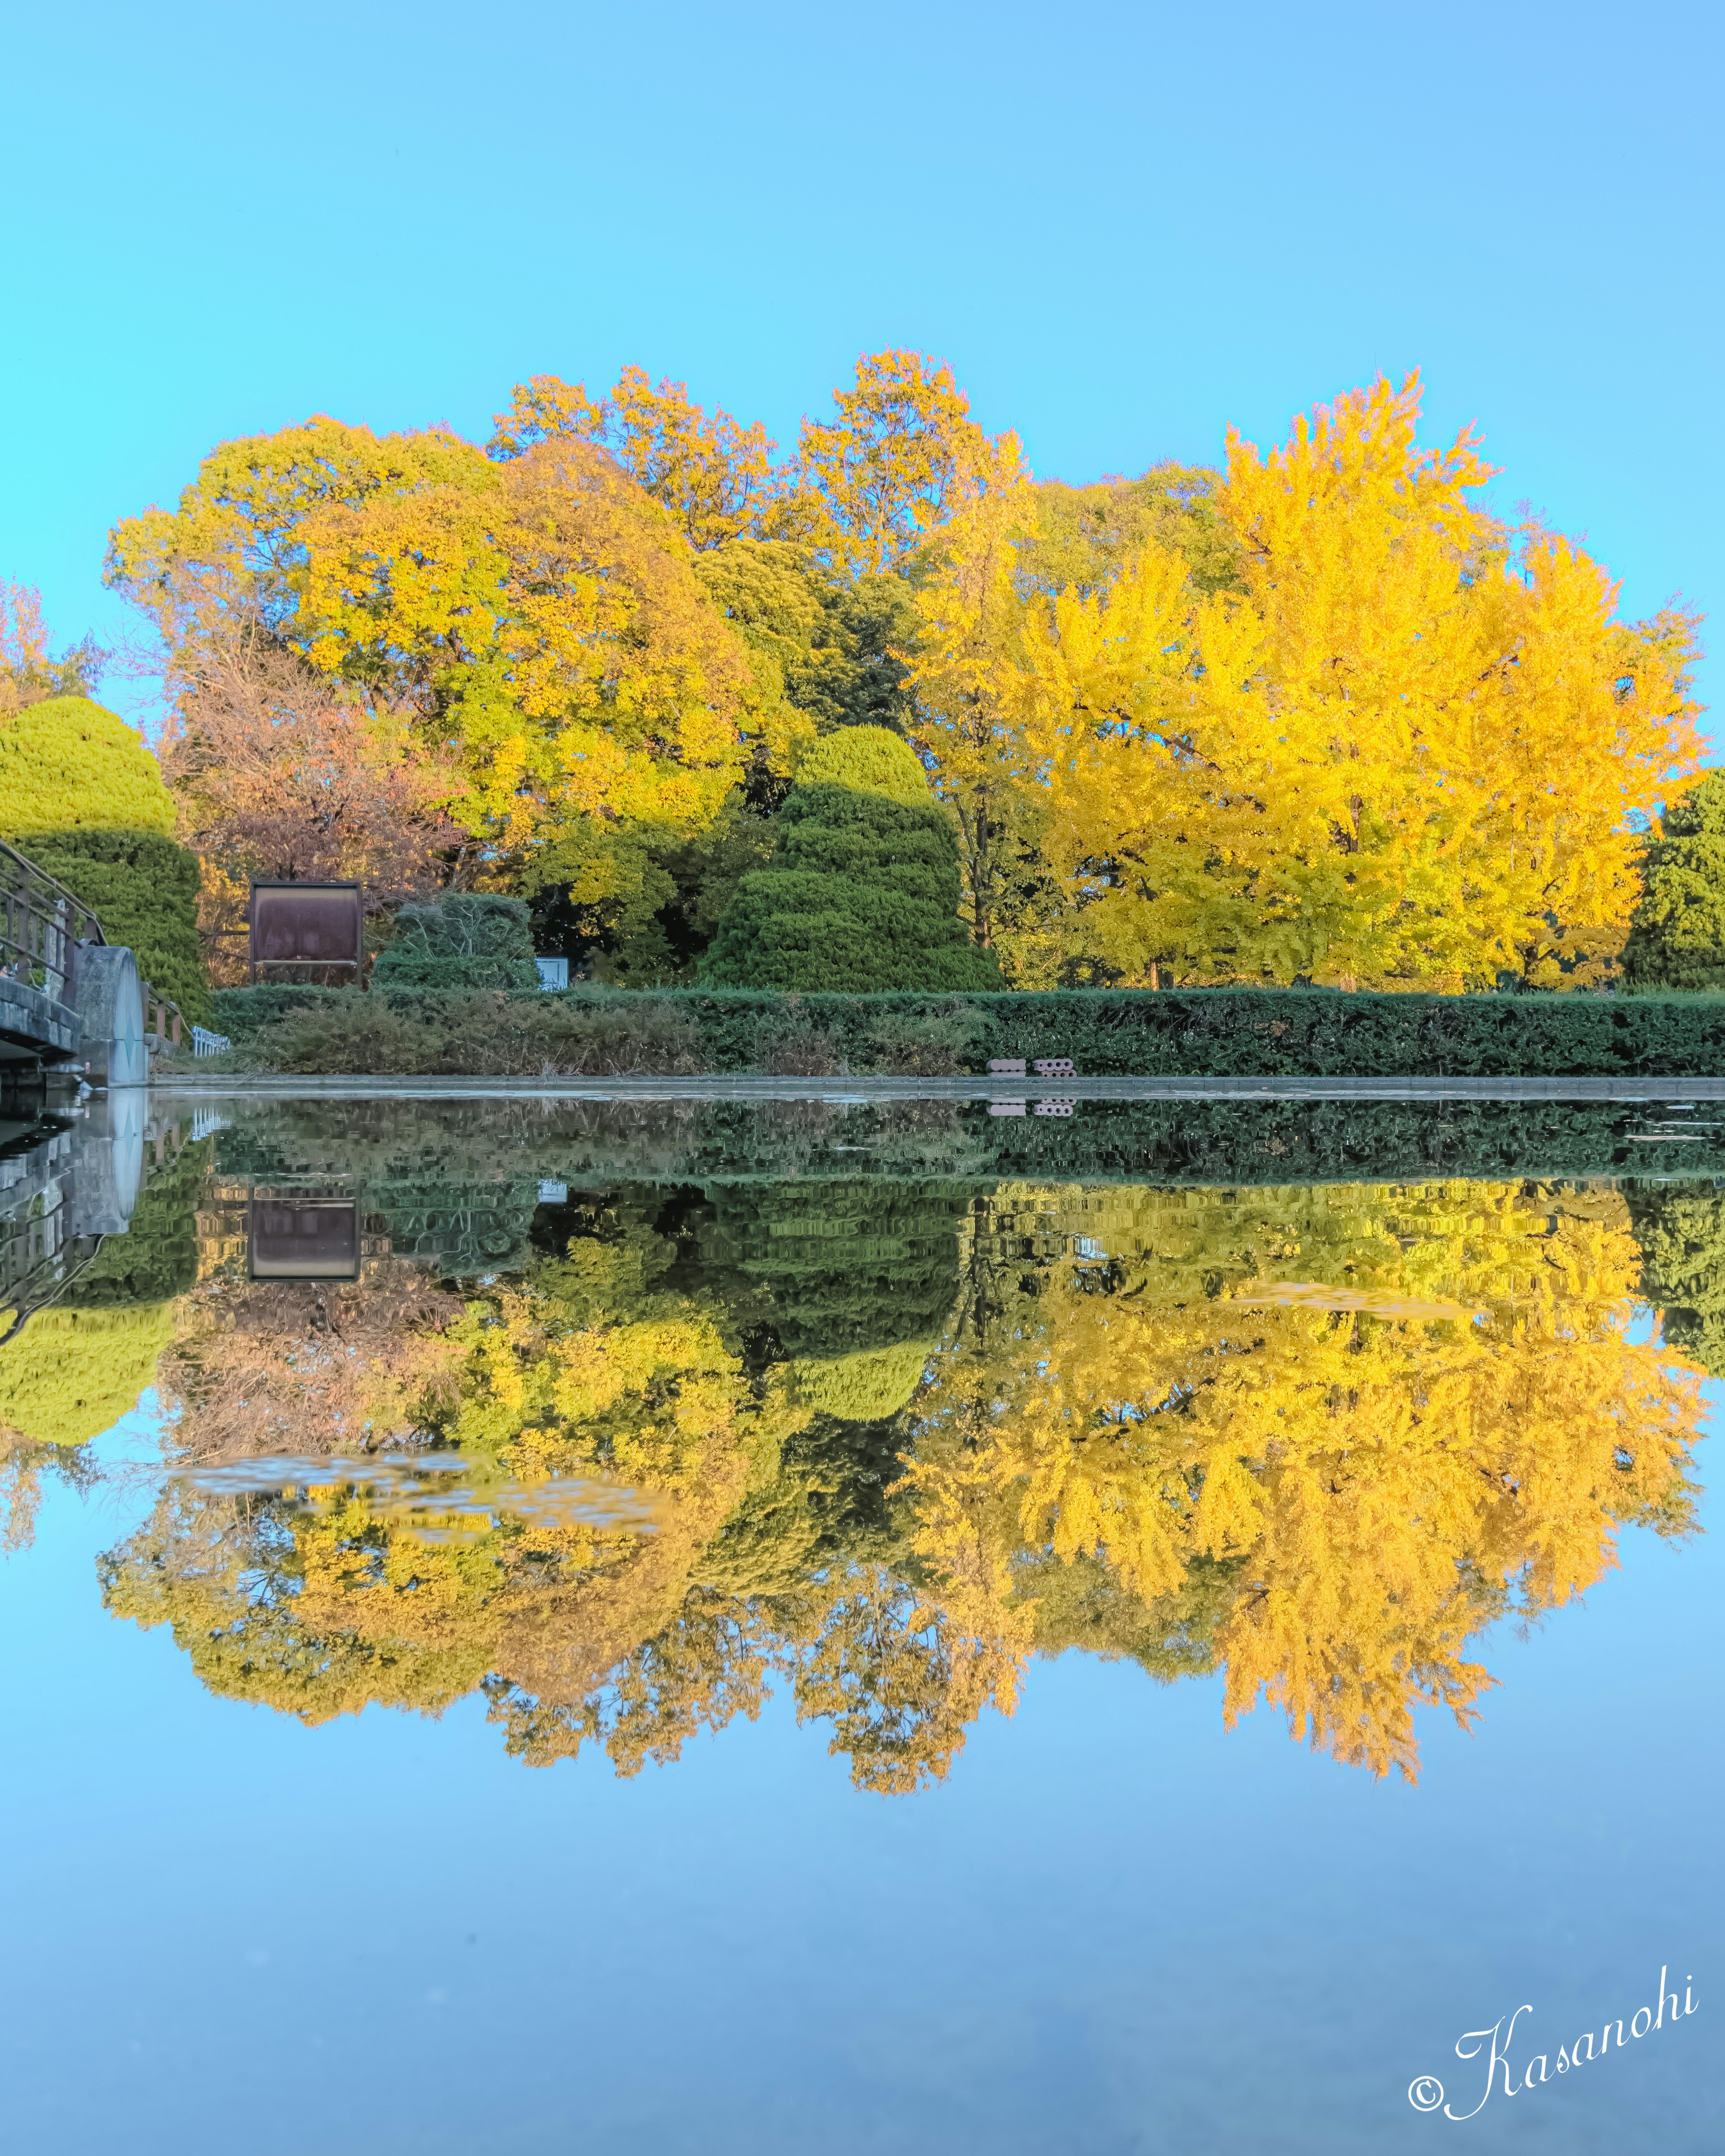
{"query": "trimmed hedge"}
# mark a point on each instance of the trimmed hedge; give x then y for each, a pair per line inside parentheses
(1272, 1033)
(1247, 1033)
(440, 1144)
(862, 888)
(471, 940)
(69, 764)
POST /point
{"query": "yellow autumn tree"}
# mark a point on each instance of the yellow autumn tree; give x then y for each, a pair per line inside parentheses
(1007, 547)
(1319, 1438)
(969, 675)
(715, 477)
(541, 616)
(893, 463)
(1407, 753)
(587, 1367)
(865, 487)
(585, 1624)
(1386, 1417)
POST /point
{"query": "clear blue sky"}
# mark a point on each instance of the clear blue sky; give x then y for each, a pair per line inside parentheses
(1126, 226)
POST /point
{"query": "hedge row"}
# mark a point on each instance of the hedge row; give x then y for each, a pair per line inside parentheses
(1126, 1033)
(446, 1143)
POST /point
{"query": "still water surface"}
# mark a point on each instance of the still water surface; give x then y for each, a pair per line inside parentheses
(537, 1626)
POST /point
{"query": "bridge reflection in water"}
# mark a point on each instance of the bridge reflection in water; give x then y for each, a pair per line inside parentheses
(68, 1179)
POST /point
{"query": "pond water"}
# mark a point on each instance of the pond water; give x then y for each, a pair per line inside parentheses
(542, 1625)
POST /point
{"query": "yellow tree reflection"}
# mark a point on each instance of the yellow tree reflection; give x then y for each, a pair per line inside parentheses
(1316, 1438)
(1384, 1485)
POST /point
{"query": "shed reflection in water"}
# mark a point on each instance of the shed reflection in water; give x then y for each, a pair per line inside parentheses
(627, 1458)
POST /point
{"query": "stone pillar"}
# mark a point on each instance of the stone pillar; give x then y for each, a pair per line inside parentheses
(110, 1008)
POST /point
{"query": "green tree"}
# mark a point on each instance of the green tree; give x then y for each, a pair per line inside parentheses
(844, 1271)
(679, 886)
(826, 652)
(1084, 535)
(830, 643)
(862, 890)
(1676, 939)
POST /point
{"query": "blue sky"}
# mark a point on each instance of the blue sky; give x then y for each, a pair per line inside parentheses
(1126, 226)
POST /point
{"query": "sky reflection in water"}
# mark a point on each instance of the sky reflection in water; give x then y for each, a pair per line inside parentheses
(862, 1429)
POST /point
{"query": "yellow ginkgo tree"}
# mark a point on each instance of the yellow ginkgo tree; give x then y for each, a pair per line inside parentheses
(1400, 746)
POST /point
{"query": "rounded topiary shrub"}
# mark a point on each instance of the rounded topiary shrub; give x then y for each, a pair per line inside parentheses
(869, 1386)
(70, 765)
(862, 890)
(470, 940)
(868, 760)
(84, 798)
(70, 1374)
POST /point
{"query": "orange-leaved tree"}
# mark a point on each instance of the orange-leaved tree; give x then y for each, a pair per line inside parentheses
(716, 476)
(537, 624)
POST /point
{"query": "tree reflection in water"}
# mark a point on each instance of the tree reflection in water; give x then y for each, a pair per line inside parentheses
(898, 1437)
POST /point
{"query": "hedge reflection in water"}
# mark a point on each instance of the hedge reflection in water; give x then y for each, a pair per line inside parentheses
(895, 1437)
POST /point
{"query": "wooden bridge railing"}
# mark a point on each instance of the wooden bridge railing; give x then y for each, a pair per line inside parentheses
(162, 1016)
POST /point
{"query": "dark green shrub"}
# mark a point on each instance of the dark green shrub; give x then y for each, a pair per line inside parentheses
(466, 1227)
(143, 888)
(788, 1046)
(472, 940)
(1677, 938)
(1680, 1229)
(489, 1035)
(621, 1036)
(366, 1038)
(926, 1043)
(845, 1267)
(862, 890)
